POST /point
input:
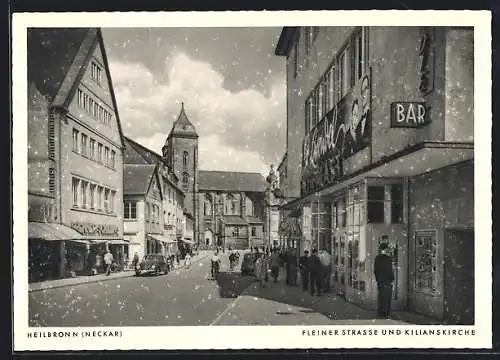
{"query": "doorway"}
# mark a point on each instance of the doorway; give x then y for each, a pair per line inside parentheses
(459, 276)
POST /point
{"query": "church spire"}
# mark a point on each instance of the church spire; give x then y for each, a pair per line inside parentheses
(182, 126)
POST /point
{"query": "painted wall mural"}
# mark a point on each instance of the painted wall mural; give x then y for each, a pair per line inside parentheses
(342, 132)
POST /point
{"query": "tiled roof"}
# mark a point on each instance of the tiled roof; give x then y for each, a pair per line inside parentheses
(234, 220)
(51, 52)
(254, 220)
(231, 181)
(182, 126)
(136, 153)
(136, 178)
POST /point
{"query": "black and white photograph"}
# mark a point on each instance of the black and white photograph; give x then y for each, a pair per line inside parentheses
(208, 183)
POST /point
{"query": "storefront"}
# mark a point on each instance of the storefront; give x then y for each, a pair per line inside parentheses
(53, 251)
(425, 215)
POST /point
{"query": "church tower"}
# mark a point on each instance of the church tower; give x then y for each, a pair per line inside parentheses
(181, 152)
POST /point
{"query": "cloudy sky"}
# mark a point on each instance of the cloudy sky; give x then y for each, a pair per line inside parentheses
(231, 83)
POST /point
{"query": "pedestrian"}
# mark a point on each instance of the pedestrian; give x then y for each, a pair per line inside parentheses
(135, 261)
(275, 265)
(187, 261)
(108, 260)
(260, 269)
(90, 262)
(304, 271)
(384, 276)
(315, 267)
(215, 264)
(325, 259)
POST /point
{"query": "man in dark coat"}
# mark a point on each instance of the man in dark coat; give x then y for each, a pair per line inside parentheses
(384, 276)
(315, 268)
(304, 271)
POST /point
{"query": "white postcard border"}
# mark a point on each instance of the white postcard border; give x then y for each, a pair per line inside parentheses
(257, 337)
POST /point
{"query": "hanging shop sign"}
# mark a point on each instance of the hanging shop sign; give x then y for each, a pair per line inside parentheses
(426, 63)
(342, 132)
(95, 229)
(409, 114)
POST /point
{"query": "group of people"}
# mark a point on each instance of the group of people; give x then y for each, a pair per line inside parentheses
(267, 260)
(234, 258)
(96, 261)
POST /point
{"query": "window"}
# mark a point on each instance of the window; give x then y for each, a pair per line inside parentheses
(92, 149)
(75, 189)
(106, 156)
(396, 203)
(112, 197)
(113, 159)
(295, 58)
(359, 55)
(331, 88)
(99, 153)
(96, 73)
(236, 231)
(100, 198)
(169, 195)
(81, 99)
(185, 179)
(92, 196)
(254, 231)
(106, 200)
(52, 180)
(185, 157)
(84, 188)
(83, 149)
(308, 111)
(147, 212)
(376, 197)
(342, 74)
(75, 140)
(426, 261)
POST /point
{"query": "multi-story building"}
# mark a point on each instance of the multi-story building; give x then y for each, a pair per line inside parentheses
(75, 145)
(232, 209)
(380, 148)
(173, 211)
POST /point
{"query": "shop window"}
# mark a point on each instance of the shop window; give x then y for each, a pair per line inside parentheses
(376, 204)
(396, 203)
(185, 179)
(426, 261)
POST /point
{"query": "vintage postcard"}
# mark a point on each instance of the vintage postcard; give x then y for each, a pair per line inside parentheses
(252, 180)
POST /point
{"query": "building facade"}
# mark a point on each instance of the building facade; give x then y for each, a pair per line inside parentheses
(380, 148)
(75, 165)
(232, 209)
(142, 210)
(172, 203)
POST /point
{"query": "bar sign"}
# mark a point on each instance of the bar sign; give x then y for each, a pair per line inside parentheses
(409, 114)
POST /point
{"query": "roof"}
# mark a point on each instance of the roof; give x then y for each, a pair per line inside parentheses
(283, 160)
(234, 220)
(288, 34)
(254, 220)
(182, 126)
(136, 178)
(136, 153)
(57, 60)
(231, 181)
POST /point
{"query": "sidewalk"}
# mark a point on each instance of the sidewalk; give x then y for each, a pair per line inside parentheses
(52, 284)
(279, 304)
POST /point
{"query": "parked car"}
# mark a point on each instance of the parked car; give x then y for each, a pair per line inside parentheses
(152, 264)
(248, 264)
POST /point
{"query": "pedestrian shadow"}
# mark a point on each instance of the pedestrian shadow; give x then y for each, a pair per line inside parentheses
(231, 283)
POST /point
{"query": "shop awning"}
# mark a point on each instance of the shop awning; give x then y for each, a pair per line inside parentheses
(118, 242)
(414, 160)
(53, 231)
(187, 241)
(160, 238)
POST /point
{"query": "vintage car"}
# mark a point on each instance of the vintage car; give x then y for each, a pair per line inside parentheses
(248, 264)
(154, 264)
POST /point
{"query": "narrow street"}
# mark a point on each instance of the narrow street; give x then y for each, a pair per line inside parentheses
(188, 297)
(182, 297)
